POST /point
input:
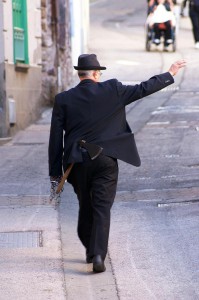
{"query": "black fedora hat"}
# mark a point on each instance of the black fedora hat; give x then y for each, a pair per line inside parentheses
(88, 62)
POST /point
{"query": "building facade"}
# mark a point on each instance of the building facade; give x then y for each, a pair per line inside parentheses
(20, 60)
(65, 25)
(40, 42)
(56, 48)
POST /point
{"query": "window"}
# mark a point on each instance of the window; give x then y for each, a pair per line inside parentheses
(20, 35)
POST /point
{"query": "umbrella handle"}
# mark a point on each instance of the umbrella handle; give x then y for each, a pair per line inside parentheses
(65, 176)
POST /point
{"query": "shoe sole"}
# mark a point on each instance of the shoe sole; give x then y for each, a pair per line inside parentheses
(98, 268)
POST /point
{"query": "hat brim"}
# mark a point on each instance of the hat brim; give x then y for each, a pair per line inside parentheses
(89, 68)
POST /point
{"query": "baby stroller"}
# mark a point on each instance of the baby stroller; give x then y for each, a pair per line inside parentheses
(151, 41)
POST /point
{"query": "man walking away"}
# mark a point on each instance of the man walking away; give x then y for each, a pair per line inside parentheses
(90, 118)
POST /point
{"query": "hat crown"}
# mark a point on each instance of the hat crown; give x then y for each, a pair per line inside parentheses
(88, 62)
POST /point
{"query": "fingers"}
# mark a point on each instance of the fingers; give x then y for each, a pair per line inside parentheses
(180, 63)
(176, 66)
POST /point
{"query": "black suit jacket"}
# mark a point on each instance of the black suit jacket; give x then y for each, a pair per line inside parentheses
(95, 112)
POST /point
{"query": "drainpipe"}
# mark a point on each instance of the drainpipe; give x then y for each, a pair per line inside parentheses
(54, 24)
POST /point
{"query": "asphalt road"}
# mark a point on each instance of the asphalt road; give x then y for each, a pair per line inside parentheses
(154, 234)
(153, 249)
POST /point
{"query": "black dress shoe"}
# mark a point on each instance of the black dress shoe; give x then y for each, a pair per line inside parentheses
(98, 264)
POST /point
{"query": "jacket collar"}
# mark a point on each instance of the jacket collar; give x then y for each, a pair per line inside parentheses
(85, 81)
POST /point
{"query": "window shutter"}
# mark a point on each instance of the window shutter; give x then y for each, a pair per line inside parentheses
(20, 31)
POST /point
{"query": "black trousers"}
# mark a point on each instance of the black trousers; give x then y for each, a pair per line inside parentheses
(95, 184)
(167, 30)
(194, 15)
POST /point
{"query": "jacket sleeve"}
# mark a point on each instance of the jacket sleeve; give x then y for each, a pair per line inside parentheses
(55, 149)
(129, 93)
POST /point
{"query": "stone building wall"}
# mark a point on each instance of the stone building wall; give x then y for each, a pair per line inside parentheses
(56, 48)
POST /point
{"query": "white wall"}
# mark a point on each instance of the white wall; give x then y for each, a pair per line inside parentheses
(34, 31)
(79, 12)
(1, 34)
(85, 24)
(8, 31)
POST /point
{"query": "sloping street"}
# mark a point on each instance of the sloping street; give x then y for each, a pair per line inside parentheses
(154, 238)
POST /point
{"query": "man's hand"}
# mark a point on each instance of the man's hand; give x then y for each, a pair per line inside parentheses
(176, 66)
(54, 198)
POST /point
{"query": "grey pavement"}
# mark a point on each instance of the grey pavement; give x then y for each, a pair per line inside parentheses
(30, 239)
(154, 238)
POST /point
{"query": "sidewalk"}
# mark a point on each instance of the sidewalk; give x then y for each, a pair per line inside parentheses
(41, 256)
(60, 251)
(30, 241)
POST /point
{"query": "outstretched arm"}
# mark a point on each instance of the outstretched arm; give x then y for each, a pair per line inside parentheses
(129, 93)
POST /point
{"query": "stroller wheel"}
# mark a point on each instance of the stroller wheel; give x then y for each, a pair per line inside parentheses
(174, 45)
(148, 45)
